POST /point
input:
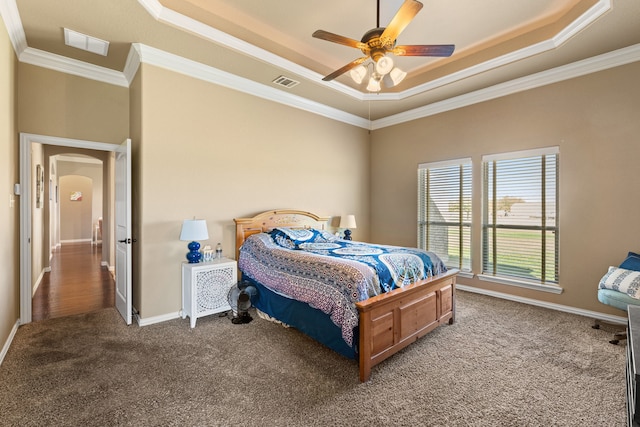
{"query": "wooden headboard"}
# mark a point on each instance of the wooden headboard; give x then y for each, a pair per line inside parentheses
(267, 221)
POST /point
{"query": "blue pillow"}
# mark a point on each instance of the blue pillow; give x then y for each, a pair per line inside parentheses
(632, 262)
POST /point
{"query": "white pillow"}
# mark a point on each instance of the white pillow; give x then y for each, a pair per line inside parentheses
(621, 280)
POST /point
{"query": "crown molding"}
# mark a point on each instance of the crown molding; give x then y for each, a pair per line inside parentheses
(13, 23)
(577, 69)
(594, 12)
(132, 64)
(72, 66)
(178, 64)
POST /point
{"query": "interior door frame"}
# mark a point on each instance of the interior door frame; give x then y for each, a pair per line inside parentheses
(26, 139)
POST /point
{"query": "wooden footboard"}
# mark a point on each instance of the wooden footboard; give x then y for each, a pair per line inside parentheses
(391, 321)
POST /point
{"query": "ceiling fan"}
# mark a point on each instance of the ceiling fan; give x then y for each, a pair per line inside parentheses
(379, 42)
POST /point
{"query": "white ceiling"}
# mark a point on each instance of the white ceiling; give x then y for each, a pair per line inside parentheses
(502, 46)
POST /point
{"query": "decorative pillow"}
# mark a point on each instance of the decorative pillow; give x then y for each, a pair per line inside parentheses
(292, 238)
(324, 236)
(632, 262)
(622, 280)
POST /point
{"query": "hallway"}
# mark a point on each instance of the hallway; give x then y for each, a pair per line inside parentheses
(76, 284)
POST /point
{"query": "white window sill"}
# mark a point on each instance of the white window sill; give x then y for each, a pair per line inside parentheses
(465, 274)
(554, 289)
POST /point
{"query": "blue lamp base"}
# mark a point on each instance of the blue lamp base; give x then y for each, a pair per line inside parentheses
(347, 234)
(194, 255)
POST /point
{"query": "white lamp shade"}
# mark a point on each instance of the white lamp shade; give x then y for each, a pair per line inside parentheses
(374, 84)
(348, 221)
(358, 74)
(394, 77)
(194, 230)
(384, 65)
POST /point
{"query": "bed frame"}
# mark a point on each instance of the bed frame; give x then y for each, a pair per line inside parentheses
(388, 322)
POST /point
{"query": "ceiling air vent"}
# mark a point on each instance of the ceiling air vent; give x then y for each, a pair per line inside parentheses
(85, 42)
(285, 81)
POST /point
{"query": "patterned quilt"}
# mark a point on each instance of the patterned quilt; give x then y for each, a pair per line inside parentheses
(329, 273)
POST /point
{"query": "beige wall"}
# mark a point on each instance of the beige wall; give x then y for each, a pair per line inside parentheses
(9, 225)
(93, 171)
(594, 121)
(57, 104)
(75, 215)
(217, 154)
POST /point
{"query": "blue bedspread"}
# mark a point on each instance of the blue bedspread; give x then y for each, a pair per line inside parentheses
(329, 273)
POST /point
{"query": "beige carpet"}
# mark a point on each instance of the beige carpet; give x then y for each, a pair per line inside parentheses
(501, 364)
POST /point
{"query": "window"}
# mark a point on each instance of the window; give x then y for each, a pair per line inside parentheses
(520, 212)
(444, 211)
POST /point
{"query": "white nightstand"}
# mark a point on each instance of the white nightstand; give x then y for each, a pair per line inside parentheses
(205, 286)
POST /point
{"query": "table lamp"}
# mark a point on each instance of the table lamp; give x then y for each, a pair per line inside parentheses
(192, 231)
(347, 221)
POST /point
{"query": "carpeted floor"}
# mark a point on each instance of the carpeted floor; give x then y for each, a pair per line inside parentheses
(501, 364)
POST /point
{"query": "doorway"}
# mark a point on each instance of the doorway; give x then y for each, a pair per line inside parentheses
(34, 190)
(77, 279)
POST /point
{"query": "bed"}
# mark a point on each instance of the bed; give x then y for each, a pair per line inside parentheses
(285, 253)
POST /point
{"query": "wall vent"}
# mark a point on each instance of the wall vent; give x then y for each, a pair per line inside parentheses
(285, 81)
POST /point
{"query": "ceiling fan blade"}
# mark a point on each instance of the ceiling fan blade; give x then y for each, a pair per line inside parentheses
(335, 38)
(403, 17)
(346, 68)
(424, 50)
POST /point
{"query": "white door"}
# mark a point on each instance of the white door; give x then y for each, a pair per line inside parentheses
(123, 230)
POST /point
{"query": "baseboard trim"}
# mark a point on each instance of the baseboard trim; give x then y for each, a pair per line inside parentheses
(7, 344)
(37, 284)
(558, 307)
(552, 306)
(156, 319)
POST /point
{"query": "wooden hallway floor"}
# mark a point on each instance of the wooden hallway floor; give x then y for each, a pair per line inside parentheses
(76, 284)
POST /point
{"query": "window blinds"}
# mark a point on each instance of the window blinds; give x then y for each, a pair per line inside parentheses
(520, 213)
(444, 211)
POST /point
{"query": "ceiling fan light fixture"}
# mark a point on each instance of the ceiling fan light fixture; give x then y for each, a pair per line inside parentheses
(377, 43)
(394, 77)
(358, 74)
(384, 65)
(374, 82)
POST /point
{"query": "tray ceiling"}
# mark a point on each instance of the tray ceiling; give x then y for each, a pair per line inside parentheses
(250, 43)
